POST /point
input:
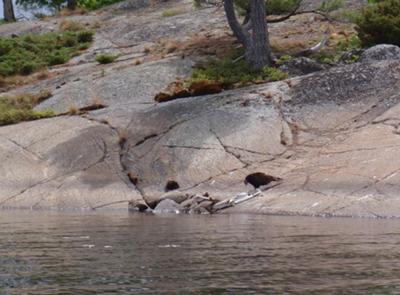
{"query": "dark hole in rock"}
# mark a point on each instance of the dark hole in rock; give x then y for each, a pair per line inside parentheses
(171, 185)
(258, 179)
(133, 178)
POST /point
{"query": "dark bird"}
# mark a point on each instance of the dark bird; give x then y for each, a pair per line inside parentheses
(258, 179)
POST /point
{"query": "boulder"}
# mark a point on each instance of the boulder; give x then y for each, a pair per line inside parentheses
(175, 196)
(302, 66)
(137, 206)
(168, 206)
(380, 52)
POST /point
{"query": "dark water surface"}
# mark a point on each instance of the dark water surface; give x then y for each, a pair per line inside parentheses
(120, 253)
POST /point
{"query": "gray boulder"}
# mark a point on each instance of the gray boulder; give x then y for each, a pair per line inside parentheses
(302, 66)
(380, 52)
(168, 206)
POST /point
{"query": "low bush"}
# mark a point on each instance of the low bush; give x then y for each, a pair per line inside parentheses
(17, 108)
(227, 73)
(379, 22)
(96, 4)
(26, 54)
(106, 58)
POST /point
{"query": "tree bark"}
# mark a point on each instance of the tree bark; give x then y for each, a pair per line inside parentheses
(242, 35)
(258, 54)
(253, 35)
(9, 15)
(71, 4)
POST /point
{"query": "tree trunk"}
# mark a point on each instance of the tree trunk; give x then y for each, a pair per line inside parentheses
(253, 35)
(258, 53)
(8, 11)
(71, 4)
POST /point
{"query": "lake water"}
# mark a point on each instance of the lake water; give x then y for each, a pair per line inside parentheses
(121, 253)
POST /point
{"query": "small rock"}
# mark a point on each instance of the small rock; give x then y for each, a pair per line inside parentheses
(138, 206)
(194, 201)
(206, 205)
(176, 196)
(380, 52)
(199, 210)
(168, 206)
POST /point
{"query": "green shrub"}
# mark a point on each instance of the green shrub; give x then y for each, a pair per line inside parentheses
(352, 43)
(380, 23)
(228, 73)
(273, 7)
(57, 58)
(85, 36)
(26, 54)
(96, 4)
(277, 7)
(14, 109)
(283, 59)
(106, 58)
(330, 5)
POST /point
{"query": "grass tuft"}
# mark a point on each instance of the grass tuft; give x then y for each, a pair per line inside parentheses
(106, 58)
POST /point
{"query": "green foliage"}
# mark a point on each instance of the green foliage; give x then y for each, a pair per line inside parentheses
(274, 7)
(227, 73)
(57, 5)
(380, 23)
(106, 58)
(14, 109)
(346, 51)
(85, 37)
(283, 59)
(277, 7)
(330, 5)
(96, 4)
(26, 54)
(352, 43)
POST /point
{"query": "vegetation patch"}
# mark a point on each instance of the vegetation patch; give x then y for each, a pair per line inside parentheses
(233, 74)
(17, 108)
(96, 4)
(215, 75)
(106, 58)
(350, 45)
(171, 12)
(24, 55)
(380, 23)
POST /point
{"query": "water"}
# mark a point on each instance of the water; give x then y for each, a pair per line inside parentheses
(24, 14)
(120, 253)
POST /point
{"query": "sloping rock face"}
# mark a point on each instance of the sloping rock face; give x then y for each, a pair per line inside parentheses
(327, 135)
(62, 163)
(332, 136)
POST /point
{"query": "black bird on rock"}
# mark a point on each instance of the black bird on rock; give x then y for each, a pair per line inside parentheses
(258, 179)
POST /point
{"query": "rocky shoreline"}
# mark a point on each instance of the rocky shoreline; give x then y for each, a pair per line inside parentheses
(331, 135)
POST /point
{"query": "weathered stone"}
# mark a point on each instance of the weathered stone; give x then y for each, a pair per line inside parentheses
(62, 163)
(302, 66)
(168, 206)
(138, 206)
(175, 196)
(331, 135)
(380, 52)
